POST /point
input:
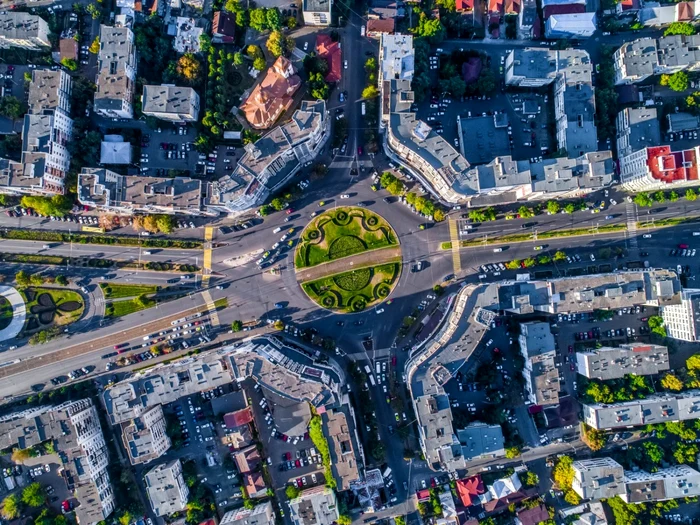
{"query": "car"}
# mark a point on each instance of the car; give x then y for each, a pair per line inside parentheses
(345, 196)
(306, 46)
(380, 311)
(345, 64)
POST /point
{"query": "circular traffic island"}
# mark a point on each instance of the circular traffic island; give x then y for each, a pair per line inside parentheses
(348, 259)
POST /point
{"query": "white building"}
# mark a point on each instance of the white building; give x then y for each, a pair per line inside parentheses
(317, 12)
(273, 160)
(317, 506)
(169, 102)
(598, 478)
(613, 363)
(261, 514)
(23, 30)
(659, 168)
(540, 371)
(46, 132)
(638, 60)
(637, 128)
(574, 25)
(682, 321)
(116, 73)
(166, 488)
(145, 437)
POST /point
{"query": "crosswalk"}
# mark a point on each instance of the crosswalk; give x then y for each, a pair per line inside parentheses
(208, 237)
(213, 315)
(454, 238)
(631, 233)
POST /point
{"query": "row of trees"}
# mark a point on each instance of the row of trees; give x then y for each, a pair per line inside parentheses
(25, 279)
(423, 205)
(216, 117)
(647, 200)
(58, 205)
(33, 495)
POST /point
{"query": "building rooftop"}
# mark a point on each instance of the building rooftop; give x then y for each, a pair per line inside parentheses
(681, 122)
(105, 188)
(571, 25)
(435, 425)
(644, 129)
(49, 90)
(247, 459)
(317, 6)
(613, 363)
(469, 490)
(22, 26)
(261, 514)
(480, 440)
(396, 57)
(637, 59)
(674, 482)
(671, 167)
(169, 99)
(543, 375)
(536, 339)
(165, 488)
(75, 432)
(116, 67)
(592, 170)
(187, 34)
(315, 506)
(483, 142)
(145, 437)
(654, 409)
(114, 150)
(598, 478)
(380, 26)
(343, 459)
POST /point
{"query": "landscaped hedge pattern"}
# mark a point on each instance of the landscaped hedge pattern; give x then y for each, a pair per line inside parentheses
(340, 233)
(355, 290)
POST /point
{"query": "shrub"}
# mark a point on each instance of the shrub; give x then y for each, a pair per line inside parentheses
(354, 280)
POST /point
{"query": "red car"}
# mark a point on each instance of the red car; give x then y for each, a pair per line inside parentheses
(122, 345)
(299, 484)
(297, 463)
(683, 246)
(289, 211)
(359, 150)
(573, 367)
(393, 360)
(571, 349)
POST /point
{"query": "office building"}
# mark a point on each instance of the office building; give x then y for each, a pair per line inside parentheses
(171, 103)
(659, 168)
(166, 488)
(682, 321)
(614, 363)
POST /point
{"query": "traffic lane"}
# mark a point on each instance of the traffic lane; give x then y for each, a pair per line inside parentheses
(98, 250)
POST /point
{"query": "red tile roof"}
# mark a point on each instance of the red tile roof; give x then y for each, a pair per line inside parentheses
(464, 5)
(626, 5)
(375, 26)
(566, 9)
(512, 7)
(686, 11)
(223, 24)
(68, 48)
(326, 48)
(469, 489)
(672, 166)
(496, 6)
(423, 495)
(238, 418)
(533, 516)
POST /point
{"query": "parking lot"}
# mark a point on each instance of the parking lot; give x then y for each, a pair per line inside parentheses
(283, 431)
(526, 131)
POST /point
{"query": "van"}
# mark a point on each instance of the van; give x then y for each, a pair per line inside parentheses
(496, 250)
(47, 246)
(364, 108)
(146, 252)
(277, 230)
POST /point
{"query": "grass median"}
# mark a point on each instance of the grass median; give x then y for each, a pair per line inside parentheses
(86, 238)
(118, 291)
(528, 237)
(665, 223)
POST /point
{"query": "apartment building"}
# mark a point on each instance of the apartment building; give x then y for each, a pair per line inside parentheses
(682, 321)
(75, 431)
(480, 440)
(145, 437)
(614, 363)
(261, 514)
(273, 160)
(47, 130)
(638, 60)
(540, 371)
(570, 72)
(343, 459)
(171, 103)
(315, 506)
(23, 30)
(116, 73)
(659, 408)
(659, 168)
(439, 443)
(111, 192)
(317, 12)
(637, 128)
(603, 478)
(166, 488)
(598, 478)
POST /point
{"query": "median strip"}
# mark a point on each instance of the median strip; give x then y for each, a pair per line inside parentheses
(666, 223)
(528, 237)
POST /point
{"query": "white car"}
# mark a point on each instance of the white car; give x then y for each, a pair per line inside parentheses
(380, 311)
(306, 46)
(345, 196)
(346, 64)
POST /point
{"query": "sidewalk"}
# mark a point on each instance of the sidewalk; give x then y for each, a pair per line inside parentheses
(361, 260)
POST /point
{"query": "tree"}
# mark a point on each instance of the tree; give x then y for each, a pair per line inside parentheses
(57, 205)
(693, 362)
(259, 63)
(671, 382)
(254, 51)
(318, 88)
(690, 194)
(237, 325)
(344, 519)
(62, 280)
(643, 199)
(531, 479)
(429, 28)
(679, 81)
(277, 203)
(34, 495)
(279, 325)
(371, 65)
(291, 22)
(150, 223)
(278, 44)
(512, 452)
(11, 507)
(656, 325)
(595, 439)
(486, 84)
(258, 19)
(189, 68)
(685, 452)
(438, 215)
(653, 452)
(12, 107)
(20, 455)
(553, 207)
(292, 492)
(673, 196)
(273, 19)
(166, 223)
(143, 301)
(659, 196)
(69, 63)
(23, 279)
(680, 28)
(529, 262)
(370, 92)
(36, 280)
(94, 11)
(559, 256)
(95, 46)
(237, 58)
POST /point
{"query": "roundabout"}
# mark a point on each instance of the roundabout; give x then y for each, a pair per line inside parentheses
(348, 259)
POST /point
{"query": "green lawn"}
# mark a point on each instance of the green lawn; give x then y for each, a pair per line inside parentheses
(60, 296)
(340, 233)
(120, 308)
(220, 304)
(355, 290)
(5, 313)
(118, 291)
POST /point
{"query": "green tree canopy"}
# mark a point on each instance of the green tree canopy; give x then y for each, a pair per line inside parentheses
(69, 63)
(237, 58)
(11, 507)
(259, 63)
(643, 199)
(12, 107)
(553, 207)
(34, 495)
(273, 19)
(237, 325)
(679, 81)
(680, 28)
(370, 91)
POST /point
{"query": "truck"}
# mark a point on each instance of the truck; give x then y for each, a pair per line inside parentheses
(371, 379)
(368, 370)
(387, 472)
